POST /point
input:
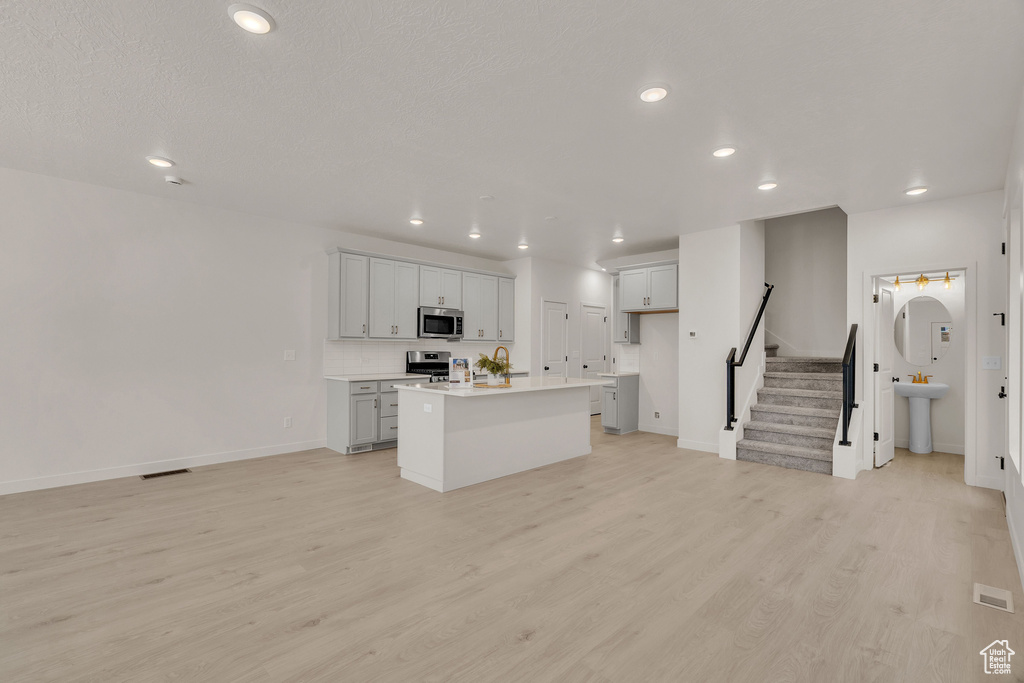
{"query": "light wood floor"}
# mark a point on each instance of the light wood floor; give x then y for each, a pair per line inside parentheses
(640, 562)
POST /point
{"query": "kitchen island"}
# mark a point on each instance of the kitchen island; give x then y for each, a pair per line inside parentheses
(450, 438)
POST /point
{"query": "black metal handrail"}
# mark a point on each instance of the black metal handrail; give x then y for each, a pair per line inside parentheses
(731, 363)
(849, 383)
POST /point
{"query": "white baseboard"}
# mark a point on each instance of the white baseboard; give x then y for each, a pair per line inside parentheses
(1015, 525)
(71, 478)
(940, 447)
(657, 429)
(989, 482)
(698, 446)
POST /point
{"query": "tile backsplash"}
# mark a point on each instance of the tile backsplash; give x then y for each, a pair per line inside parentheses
(629, 357)
(358, 357)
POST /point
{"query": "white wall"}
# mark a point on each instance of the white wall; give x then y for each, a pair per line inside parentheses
(946, 234)
(659, 372)
(721, 276)
(947, 413)
(551, 281)
(141, 334)
(805, 258)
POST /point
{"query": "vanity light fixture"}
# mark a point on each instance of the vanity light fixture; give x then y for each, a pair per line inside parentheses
(914, 191)
(654, 93)
(947, 283)
(724, 152)
(160, 162)
(897, 283)
(767, 186)
(922, 282)
(251, 19)
(416, 221)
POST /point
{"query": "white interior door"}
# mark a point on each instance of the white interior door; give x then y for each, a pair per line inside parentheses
(594, 333)
(555, 331)
(884, 393)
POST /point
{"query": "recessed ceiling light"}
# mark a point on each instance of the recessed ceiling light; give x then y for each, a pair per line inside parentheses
(416, 221)
(252, 19)
(474, 234)
(724, 151)
(160, 162)
(524, 245)
(914, 191)
(767, 186)
(551, 218)
(618, 239)
(654, 93)
(487, 198)
(605, 269)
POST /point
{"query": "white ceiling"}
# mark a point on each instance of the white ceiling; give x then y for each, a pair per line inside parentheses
(359, 114)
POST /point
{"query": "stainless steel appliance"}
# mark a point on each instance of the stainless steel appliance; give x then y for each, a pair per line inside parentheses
(440, 323)
(433, 363)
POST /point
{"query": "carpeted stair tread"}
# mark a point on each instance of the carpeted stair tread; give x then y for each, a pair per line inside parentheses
(805, 393)
(791, 429)
(806, 375)
(784, 449)
(803, 359)
(796, 410)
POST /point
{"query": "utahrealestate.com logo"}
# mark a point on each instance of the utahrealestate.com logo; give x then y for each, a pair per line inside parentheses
(997, 657)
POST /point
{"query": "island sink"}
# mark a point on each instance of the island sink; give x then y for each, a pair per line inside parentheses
(920, 397)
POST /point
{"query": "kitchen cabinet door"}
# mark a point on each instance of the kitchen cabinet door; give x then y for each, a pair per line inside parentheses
(489, 307)
(663, 288)
(471, 303)
(610, 409)
(407, 277)
(626, 326)
(451, 289)
(633, 284)
(348, 298)
(430, 286)
(506, 309)
(363, 421)
(382, 298)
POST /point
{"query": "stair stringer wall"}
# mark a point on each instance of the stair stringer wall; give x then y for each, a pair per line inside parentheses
(727, 439)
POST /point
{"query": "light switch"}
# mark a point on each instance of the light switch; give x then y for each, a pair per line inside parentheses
(991, 363)
(428, 408)
(289, 354)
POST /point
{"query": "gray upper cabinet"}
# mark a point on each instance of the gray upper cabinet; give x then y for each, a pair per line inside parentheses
(347, 298)
(650, 289)
(480, 306)
(626, 326)
(506, 309)
(394, 298)
(440, 287)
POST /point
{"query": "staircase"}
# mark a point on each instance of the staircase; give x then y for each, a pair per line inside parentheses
(794, 422)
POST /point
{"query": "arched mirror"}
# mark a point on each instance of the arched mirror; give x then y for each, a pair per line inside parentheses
(923, 330)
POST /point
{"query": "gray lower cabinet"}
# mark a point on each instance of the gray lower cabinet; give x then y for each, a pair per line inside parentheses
(363, 415)
(620, 407)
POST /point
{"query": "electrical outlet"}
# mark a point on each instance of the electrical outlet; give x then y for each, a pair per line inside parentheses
(693, 334)
(657, 415)
(991, 363)
(287, 423)
(289, 354)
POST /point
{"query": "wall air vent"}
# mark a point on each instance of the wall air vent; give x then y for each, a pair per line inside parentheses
(163, 474)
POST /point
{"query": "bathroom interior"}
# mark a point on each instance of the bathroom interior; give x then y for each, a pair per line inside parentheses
(928, 332)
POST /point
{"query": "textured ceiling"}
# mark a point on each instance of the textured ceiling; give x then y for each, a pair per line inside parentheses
(359, 114)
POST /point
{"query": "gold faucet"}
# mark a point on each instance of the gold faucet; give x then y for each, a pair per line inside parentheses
(919, 378)
(508, 376)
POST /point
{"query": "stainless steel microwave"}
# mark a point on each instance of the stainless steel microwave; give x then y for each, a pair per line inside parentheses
(440, 323)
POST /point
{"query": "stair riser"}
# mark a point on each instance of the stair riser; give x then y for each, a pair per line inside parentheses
(800, 401)
(788, 461)
(803, 440)
(788, 419)
(823, 384)
(801, 366)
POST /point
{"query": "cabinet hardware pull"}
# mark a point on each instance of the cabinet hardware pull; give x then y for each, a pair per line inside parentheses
(499, 334)
(394, 405)
(364, 328)
(394, 427)
(364, 387)
(613, 395)
(374, 403)
(442, 299)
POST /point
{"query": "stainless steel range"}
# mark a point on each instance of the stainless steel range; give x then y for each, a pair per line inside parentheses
(433, 363)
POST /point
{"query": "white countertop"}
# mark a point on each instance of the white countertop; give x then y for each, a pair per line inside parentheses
(618, 374)
(518, 385)
(379, 377)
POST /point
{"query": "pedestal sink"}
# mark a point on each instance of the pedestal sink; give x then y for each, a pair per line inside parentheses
(920, 396)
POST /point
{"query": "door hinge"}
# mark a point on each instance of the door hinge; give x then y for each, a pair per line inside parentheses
(606, 318)
(605, 358)
(567, 359)
(1002, 318)
(1002, 462)
(876, 367)
(874, 299)
(566, 316)
(876, 436)
(1004, 252)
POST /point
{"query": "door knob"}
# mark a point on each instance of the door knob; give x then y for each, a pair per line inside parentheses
(1002, 392)
(546, 367)
(584, 367)
(895, 379)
